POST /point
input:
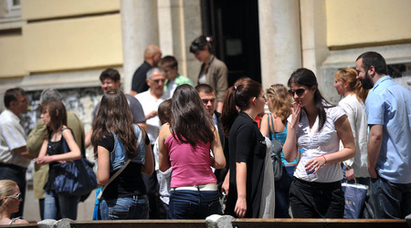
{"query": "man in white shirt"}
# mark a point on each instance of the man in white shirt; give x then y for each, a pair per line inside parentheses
(14, 157)
(150, 100)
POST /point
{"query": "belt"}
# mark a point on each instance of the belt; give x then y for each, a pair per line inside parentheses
(201, 187)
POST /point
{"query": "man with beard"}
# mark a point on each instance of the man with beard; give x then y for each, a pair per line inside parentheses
(388, 108)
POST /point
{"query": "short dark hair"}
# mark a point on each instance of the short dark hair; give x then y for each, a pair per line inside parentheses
(110, 73)
(11, 95)
(205, 88)
(168, 61)
(372, 58)
(200, 43)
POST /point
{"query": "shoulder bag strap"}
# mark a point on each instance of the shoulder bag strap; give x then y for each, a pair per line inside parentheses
(272, 123)
(121, 169)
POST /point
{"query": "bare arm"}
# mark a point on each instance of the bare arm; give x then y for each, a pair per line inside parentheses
(219, 161)
(164, 160)
(103, 168)
(148, 167)
(23, 152)
(290, 145)
(344, 132)
(73, 154)
(374, 147)
(241, 177)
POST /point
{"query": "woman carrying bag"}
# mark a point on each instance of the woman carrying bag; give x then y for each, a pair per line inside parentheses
(121, 146)
(55, 118)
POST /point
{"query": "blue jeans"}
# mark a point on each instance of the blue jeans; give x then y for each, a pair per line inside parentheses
(391, 201)
(282, 193)
(185, 204)
(57, 206)
(17, 174)
(135, 207)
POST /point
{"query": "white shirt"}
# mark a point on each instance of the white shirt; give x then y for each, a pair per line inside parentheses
(316, 143)
(12, 136)
(149, 103)
(355, 111)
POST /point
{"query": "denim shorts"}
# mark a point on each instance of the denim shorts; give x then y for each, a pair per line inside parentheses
(135, 207)
(187, 204)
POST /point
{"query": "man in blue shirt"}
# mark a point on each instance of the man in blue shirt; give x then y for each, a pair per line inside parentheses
(388, 108)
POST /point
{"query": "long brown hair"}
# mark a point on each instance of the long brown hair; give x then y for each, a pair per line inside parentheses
(190, 121)
(114, 115)
(349, 75)
(281, 101)
(58, 115)
(238, 96)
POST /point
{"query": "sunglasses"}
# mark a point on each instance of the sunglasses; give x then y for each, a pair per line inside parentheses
(18, 196)
(299, 92)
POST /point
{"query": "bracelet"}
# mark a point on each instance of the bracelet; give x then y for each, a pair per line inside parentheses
(324, 159)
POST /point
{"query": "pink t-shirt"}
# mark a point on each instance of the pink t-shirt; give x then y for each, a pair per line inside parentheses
(191, 166)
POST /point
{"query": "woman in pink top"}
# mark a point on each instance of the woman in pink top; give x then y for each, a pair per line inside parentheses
(185, 144)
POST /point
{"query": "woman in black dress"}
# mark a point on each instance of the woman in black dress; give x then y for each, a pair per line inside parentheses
(242, 104)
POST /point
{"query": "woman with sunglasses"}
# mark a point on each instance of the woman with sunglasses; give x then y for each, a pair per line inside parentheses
(10, 199)
(247, 148)
(348, 86)
(274, 125)
(315, 129)
(213, 71)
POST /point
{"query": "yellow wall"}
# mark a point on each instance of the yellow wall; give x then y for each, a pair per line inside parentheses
(11, 56)
(42, 9)
(354, 22)
(70, 44)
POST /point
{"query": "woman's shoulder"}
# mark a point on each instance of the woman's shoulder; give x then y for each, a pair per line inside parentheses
(20, 221)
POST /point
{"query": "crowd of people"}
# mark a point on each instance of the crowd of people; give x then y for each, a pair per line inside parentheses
(169, 150)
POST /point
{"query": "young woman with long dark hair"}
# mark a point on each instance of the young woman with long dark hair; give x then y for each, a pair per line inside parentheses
(247, 147)
(185, 144)
(114, 140)
(315, 129)
(54, 116)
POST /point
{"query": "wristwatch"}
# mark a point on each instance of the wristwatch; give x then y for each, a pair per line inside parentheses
(348, 167)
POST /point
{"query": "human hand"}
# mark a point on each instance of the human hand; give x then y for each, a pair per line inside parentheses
(349, 174)
(240, 207)
(225, 186)
(295, 113)
(313, 165)
(44, 160)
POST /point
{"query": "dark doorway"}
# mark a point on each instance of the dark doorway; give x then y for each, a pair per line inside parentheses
(233, 25)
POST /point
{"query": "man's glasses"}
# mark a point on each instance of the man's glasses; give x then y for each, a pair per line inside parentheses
(18, 196)
(299, 92)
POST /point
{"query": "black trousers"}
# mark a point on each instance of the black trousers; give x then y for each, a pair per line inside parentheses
(316, 200)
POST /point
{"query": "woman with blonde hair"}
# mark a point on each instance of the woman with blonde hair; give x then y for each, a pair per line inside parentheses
(10, 199)
(274, 125)
(348, 86)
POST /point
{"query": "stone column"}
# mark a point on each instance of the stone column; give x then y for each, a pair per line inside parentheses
(139, 29)
(280, 42)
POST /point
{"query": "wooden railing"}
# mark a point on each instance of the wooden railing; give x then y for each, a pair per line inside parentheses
(241, 223)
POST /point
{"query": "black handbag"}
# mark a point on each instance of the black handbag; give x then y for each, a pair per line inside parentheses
(276, 149)
(75, 177)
